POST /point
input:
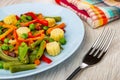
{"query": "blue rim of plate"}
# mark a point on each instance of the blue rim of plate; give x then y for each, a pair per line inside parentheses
(3, 11)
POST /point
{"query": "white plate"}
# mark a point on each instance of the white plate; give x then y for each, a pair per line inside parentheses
(74, 33)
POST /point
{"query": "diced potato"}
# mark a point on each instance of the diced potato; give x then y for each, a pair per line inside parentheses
(11, 19)
(53, 48)
(22, 30)
(57, 34)
(51, 22)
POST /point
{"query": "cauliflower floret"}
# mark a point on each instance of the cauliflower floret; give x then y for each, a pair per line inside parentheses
(53, 48)
(51, 22)
(22, 30)
(11, 19)
(57, 34)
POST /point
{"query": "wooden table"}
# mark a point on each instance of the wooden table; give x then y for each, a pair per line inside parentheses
(107, 69)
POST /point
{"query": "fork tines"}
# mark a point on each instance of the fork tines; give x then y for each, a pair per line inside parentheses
(101, 45)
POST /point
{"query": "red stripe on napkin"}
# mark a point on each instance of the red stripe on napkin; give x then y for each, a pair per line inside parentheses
(67, 4)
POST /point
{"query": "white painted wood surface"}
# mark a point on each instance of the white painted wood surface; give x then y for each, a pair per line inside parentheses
(107, 69)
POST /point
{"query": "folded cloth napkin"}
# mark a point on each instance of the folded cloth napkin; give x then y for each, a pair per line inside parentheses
(113, 2)
(95, 12)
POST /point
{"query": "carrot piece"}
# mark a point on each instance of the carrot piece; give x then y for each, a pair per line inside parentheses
(15, 34)
(6, 52)
(61, 26)
(17, 45)
(37, 62)
(5, 34)
(9, 26)
(39, 33)
(16, 38)
(10, 29)
(40, 16)
(28, 23)
(30, 42)
(1, 23)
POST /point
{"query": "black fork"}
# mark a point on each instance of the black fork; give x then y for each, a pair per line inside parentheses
(96, 52)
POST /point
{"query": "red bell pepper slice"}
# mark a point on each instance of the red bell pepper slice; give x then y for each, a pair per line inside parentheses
(30, 35)
(44, 22)
(46, 59)
(17, 17)
(31, 14)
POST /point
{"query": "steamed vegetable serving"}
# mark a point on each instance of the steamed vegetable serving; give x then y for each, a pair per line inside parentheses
(26, 39)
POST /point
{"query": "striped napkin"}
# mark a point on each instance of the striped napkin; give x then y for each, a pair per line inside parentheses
(95, 12)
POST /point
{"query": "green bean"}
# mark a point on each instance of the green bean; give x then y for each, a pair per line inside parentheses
(57, 18)
(41, 49)
(48, 39)
(6, 65)
(23, 53)
(1, 32)
(17, 68)
(1, 27)
(29, 18)
(1, 64)
(36, 43)
(4, 57)
(18, 23)
(32, 56)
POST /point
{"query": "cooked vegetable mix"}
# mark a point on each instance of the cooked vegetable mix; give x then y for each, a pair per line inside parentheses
(26, 39)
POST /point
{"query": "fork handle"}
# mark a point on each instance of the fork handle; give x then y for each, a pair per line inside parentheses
(74, 73)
